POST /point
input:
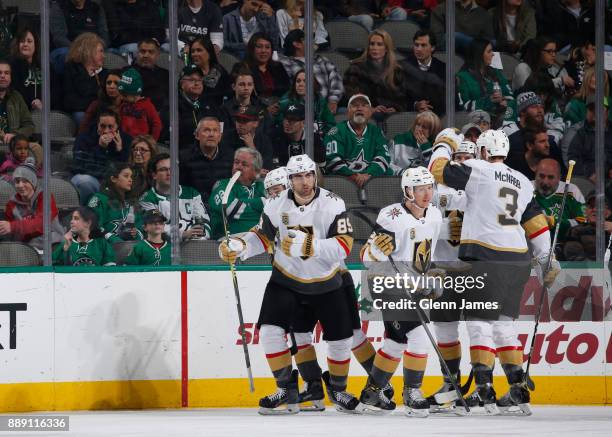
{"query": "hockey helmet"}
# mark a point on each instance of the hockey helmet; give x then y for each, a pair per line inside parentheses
(466, 146)
(450, 136)
(414, 177)
(278, 176)
(300, 164)
(495, 142)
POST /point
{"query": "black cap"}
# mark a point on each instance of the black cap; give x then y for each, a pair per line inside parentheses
(248, 113)
(188, 70)
(295, 111)
(153, 216)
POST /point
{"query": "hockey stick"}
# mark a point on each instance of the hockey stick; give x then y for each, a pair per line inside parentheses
(527, 380)
(245, 347)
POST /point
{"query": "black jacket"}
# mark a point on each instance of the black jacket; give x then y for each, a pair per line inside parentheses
(26, 79)
(425, 85)
(279, 77)
(191, 112)
(263, 144)
(198, 171)
(516, 155)
(67, 22)
(155, 83)
(132, 22)
(80, 89)
(582, 150)
(90, 158)
(365, 78)
(566, 28)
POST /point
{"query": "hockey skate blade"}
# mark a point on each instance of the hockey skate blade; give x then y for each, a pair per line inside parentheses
(446, 397)
(460, 411)
(359, 409)
(491, 409)
(290, 409)
(312, 406)
(411, 412)
(515, 410)
(375, 411)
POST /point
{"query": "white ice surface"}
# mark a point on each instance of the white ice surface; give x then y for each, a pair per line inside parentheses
(546, 421)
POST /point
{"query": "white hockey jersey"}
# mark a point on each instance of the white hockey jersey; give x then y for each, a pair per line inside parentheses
(500, 208)
(326, 218)
(414, 240)
(451, 203)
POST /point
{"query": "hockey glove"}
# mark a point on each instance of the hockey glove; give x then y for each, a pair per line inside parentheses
(381, 246)
(455, 224)
(298, 244)
(229, 253)
(547, 278)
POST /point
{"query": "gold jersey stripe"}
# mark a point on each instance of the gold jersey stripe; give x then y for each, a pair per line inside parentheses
(338, 369)
(346, 239)
(481, 356)
(306, 354)
(306, 281)
(511, 357)
(535, 224)
(364, 351)
(385, 364)
(492, 247)
(415, 363)
(437, 169)
(451, 352)
(280, 362)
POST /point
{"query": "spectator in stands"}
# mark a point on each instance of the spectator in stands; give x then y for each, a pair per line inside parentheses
(323, 117)
(480, 86)
(292, 18)
(363, 12)
(581, 240)
(24, 211)
(471, 21)
(575, 111)
(270, 78)
(208, 160)
(155, 79)
(249, 132)
(70, 18)
(25, 67)
(414, 148)
(553, 120)
(143, 149)
(109, 99)
(514, 24)
(471, 132)
(95, 150)
(15, 117)
(84, 244)
(244, 95)
(427, 75)
(356, 148)
(114, 206)
(417, 11)
(481, 118)
(83, 74)
(570, 22)
(217, 82)
(194, 222)
(329, 81)
(377, 73)
(581, 59)
(536, 149)
(131, 21)
(138, 115)
(547, 179)
(539, 60)
(246, 199)
(193, 106)
(20, 150)
(252, 17)
(582, 147)
(198, 18)
(155, 248)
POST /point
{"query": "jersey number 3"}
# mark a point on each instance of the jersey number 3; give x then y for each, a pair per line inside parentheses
(511, 198)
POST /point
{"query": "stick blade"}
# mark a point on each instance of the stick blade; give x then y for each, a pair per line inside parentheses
(229, 187)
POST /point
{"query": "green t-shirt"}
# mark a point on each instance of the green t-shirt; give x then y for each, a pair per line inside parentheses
(113, 216)
(573, 213)
(146, 254)
(348, 153)
(95, 252)
(244, 207)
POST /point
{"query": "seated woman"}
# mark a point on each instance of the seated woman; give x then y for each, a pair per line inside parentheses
(323, 117)
(480, 86)
(24, 211)
(414, 148)
(114, 208)
(20, 150)
(84, 244)
(109, 98)
(514, 24)
(83, 74)
(378, 75)
(26, 76)
(575, 111)
(142, 150)
(270, 78)
(217, 82)
(292, 17)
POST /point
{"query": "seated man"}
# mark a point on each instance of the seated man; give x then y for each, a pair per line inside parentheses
(194, 222)
(249, 132)
(537, 148)
(251, 17)
(208, 160)
(356, 148)
(94, 150)
(246, 200)
(155, 79)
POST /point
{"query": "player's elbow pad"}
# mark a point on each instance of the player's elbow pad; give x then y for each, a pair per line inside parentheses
(541, 245)
(334, 248)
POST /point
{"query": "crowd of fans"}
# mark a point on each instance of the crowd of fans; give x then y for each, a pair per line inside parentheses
(250, 117)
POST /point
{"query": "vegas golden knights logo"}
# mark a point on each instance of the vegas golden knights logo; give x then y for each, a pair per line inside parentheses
(422, 256)
(285, 219)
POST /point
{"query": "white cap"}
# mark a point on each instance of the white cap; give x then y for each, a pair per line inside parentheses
(359, 96)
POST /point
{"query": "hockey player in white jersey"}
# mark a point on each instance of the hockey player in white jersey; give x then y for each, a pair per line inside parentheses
(408, 232)
(312, 233)
(276, 182)
(500, 216)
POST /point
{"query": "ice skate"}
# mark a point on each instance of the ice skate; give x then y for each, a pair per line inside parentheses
(344, 401)
(415, 402)
(515, 402)
(283, 401)
(313, 395)
(375, 400)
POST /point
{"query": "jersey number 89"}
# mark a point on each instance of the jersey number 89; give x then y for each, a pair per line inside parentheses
(344, 226)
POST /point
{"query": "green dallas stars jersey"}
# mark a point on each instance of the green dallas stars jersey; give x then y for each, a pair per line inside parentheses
(348, 153)
(112, 216)
(190, 208)
(145, 254)
(244, 207)
(573, 213)
(96, 252)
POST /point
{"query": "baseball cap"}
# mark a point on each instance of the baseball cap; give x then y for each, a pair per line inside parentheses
(478, 116)
(188, 70)
(130, 83)
(247, 113)
(153, 216)
(295, 111)
(359, 96)
(467, 127)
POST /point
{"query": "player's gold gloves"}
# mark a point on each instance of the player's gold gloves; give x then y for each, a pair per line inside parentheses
(298, 243)
(229, 252)
(548, 278)
(455, 224)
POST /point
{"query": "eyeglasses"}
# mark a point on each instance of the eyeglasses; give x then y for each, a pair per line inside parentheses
(141, 150)
(550, 51)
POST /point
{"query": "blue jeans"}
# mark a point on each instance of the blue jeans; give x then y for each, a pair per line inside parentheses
(365, 20)
(397, 14)
(86, 185)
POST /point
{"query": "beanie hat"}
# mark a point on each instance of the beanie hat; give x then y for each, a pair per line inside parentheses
(130, 83)
(26, 171)
(525, 100)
